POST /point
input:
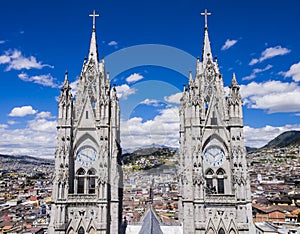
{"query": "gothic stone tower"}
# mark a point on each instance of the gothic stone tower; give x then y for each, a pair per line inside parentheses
(214, 184)
(87, 181)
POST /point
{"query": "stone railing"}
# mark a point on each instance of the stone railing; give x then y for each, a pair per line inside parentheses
(82, 197)
(161, 224)
(220, 198)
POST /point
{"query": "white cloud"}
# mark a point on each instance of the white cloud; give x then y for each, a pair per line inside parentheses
(3, 126)
(162, 130)
(253, 61)
(12, 122)
(256, 71)
(38, 139)
(294, 72)
(44, 80)
(112, 43)
(134, 78)
(174, 98)
(228, 43)
(4, 59)
(273, 96)
(259, 137)
(150, 102)
(44, 115)
(22, 111)
(123, 91)
(16, 61)
(270, 53)
(42, 125)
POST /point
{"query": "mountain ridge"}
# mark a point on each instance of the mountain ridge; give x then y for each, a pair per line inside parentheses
(285, 139)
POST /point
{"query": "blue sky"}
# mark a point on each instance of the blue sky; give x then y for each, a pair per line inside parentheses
(149, 48)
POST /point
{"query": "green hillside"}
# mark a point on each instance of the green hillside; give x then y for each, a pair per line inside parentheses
(285, 139)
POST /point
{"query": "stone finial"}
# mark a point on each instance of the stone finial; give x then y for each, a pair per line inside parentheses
(234, 83)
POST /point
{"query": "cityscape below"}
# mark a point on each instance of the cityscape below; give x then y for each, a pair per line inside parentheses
(26, 188)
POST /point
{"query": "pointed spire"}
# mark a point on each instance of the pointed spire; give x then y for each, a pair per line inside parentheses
(114, 93)
(190, 77)
(66, 81)
(191, 81)
(93, 52)
(206, 52)
(234, 83)
(151, 222)
(65, 89)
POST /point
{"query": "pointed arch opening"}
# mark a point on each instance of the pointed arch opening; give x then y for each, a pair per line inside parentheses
(58, 190)
(220, 181)
(209, 172)
(210, 189)
(216, 138)
(215, 181)
(81, 230)
(91, 176)
(80, 177)
(221, 231)
(232, 231)
(220, 171)
(87, 139)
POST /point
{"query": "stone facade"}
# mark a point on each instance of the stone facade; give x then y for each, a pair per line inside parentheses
(87, 184)
(214, 184)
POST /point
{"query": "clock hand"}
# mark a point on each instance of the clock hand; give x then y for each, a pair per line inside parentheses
(87, 156)
(212, 158)
(214, 155)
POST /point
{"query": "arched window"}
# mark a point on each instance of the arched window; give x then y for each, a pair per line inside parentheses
(209, 171)
(81, 231)
(221, 231)
(220, 181)
(232, 231)
(221, 189)
(58, 191)
(210, 231)
(80, 180)
(209, 181)
(220, 171)
(92, 181)
(215, 182)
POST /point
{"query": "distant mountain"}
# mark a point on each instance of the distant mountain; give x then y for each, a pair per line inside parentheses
(147, 147)
(250, 149)
(285, 139)
(155, 152)
(25, 159)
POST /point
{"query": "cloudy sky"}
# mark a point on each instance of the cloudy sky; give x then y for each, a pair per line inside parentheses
(149, 48)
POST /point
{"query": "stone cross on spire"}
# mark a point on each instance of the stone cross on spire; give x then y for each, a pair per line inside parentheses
(94, 15)
(205, 14)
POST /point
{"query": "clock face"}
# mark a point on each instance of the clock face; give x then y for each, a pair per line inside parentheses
(86, 156)
(214, 156)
